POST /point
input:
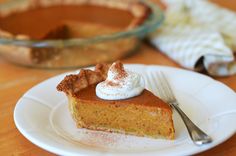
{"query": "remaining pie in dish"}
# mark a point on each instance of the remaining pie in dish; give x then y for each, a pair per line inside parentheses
(62, 20)
(35, 19)
(141, 115)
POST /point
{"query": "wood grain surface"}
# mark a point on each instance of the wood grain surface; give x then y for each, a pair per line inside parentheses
(16, 80)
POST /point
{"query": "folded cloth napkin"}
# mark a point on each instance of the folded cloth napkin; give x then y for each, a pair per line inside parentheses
(198, 34)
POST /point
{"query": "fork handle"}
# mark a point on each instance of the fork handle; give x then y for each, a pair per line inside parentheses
(196, 134)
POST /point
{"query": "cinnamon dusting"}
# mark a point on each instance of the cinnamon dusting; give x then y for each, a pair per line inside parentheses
(120, 72)
(110, 83)
(119, 69)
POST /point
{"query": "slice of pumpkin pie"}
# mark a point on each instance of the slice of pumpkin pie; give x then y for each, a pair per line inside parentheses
(113, 99)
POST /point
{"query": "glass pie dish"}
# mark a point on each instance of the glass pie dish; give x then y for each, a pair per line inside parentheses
(98, 42)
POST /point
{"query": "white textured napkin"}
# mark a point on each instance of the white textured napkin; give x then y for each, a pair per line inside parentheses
(198, 30)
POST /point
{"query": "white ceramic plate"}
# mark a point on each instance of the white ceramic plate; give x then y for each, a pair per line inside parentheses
(42, 116)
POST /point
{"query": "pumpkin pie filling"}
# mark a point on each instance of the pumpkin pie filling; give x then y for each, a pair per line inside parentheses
(37, 22)
(38, 18)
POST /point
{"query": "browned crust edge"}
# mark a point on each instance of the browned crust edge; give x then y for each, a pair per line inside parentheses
(73, 83)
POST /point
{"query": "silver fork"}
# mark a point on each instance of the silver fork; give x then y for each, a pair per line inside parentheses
(165, 92)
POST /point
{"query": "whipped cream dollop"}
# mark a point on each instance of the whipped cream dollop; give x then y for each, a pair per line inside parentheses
(120, 84)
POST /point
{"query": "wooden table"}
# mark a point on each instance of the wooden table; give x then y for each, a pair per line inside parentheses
(16, 80)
